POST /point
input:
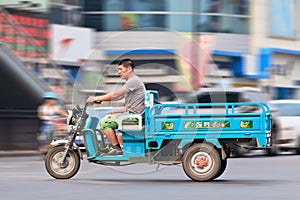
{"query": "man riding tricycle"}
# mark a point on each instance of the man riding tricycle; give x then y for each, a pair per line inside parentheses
(156, 133)
(168, 134)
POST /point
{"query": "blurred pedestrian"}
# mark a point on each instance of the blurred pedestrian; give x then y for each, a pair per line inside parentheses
(49, 112)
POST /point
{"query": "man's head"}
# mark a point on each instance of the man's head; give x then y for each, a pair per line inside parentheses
(126, 68)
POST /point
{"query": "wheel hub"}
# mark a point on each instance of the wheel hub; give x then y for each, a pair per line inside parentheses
(201, 162)
(62, 164)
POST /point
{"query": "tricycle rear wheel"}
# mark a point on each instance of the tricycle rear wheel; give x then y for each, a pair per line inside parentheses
(222, 169)
(202, 162)
(59, 169)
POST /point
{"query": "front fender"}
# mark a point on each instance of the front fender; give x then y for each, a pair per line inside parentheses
(63, 142)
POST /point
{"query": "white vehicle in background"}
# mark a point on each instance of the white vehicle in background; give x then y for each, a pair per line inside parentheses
(288, 115)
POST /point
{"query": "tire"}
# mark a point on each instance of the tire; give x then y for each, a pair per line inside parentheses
(199, 151)
(62, 170)
(298, 147)
(223, 167)
(273, 150)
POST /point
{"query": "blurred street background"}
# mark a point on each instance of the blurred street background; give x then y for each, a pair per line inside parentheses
(71, 47)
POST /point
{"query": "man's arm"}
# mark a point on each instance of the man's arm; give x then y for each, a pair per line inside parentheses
(116, 95)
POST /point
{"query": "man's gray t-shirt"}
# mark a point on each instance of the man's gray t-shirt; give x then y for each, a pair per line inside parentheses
(135, 98)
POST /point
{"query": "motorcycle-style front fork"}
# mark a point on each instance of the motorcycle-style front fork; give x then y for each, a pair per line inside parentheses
(69, 145)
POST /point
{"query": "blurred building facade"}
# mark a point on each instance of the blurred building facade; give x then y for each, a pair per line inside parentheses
(276, 45)
(177, 45)
(24, 37)
(250, 43)
(246, 43)
(168, 38)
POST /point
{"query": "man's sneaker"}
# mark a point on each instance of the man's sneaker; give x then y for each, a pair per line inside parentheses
(115, 151)
(106, 149)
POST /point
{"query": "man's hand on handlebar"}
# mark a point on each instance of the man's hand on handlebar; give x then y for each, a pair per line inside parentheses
(92, 100)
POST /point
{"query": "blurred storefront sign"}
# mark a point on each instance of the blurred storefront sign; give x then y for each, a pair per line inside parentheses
(25, 32)
(193, 59)
(70, 44)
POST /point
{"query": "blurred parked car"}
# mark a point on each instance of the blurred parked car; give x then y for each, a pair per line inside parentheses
(234, 95)
(288, 115)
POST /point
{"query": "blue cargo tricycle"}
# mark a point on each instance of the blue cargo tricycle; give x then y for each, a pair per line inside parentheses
(187, 134)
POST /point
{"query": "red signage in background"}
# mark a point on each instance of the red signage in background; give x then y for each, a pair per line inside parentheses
(26, 33)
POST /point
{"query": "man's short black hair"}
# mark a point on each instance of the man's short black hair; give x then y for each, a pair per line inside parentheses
(126, 63)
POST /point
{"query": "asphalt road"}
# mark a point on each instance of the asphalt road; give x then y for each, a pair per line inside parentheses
(255, 177)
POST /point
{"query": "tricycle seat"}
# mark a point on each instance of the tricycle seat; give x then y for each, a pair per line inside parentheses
(130, 122)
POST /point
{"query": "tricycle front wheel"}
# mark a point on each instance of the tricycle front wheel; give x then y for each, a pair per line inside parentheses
(202, 162)
(58, 168)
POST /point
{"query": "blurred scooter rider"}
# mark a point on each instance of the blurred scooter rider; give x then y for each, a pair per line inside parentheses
(48, 111)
